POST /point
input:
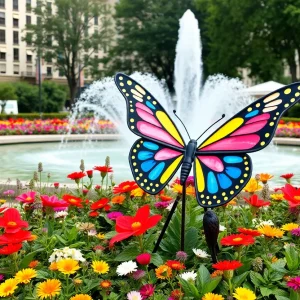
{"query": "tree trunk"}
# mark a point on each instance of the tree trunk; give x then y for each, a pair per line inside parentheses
(293, 67)
(73, 89)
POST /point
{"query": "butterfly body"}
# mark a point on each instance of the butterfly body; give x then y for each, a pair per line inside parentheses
(220, 163)
(188, 160)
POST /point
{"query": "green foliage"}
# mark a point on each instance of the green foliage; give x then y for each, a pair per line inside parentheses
(294, 112)
(68, 37)
(34, 116)
(54, 97)
(6, 93)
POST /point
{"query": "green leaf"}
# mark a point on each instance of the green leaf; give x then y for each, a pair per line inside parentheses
(128, 254)
(203, 277)
(292, 258)
(211, 285)
(189, 288)
(238, 280)
(279, 266)
(156, 259)
(294, 295)
(42, 274)
(281, 297)
(265, 291)
(28, 258)
(72, 234)
(257, 279)
(62, 240)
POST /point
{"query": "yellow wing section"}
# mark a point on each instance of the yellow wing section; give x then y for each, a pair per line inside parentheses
(170, 170)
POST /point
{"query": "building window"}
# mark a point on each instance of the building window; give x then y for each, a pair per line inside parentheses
(16, 22)
(16, 37)
(28, 5)
(2, 3)
(15, 4)
(2, 68)
(2, 18)
(96, 20)
(49, 71)
(28, 20)
(2, 54)
(16, 54)
(29, 56)
(2, 36)
(16, 69)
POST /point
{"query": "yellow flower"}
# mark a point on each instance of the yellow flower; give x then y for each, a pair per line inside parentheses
(274, 259)
(53, 266)
(270, 231)
(264, 177)
(252, 186)
(243, 294)
(77, 281)
(163, 272)
(289, 226)
(81, 297)
(211, 296)
(8, 287)
(277, 197)
(190, 190)
(100, 266)
(25, 275)
(100, 236)
(2, 201)
(138, 192)
(68, 266)
(49, 288)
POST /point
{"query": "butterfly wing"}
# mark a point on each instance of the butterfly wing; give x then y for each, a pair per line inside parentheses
(145, 116)
(253, 128)
(153, 164)
(219, 178)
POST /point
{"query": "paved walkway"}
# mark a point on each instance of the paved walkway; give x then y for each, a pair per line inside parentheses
(19, 139)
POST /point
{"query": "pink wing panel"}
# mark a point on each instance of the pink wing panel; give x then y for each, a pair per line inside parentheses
(166, 153)
(250, 128)
(213, 162)
(147, 117)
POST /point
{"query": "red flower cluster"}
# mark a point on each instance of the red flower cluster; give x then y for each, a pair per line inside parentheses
(175, 265)
(254, 201)
(292, 195)
(72, 200)
(101, 204)
(103, 170)
(13, 235)
(125, 187)
(127, 226)
(237, 240)
(227, 265)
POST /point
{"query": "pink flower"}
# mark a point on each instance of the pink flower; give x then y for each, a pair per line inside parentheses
(296, 232)
(162, 204)
(144, 259)
(26, 197)
(114, 215)
(9, 193)
(147, 290)
(294, 283)
(53, 201)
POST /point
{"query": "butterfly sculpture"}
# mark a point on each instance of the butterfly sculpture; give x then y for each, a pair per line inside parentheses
(220, 163)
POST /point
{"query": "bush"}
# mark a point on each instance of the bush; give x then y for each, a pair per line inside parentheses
(294, 112)
(34, 116)
(54, 97)
(7, 92)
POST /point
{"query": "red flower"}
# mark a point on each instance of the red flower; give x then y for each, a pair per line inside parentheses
(89, 173)
(97, 187)
(254, 201)
(125, 187)
(287, 176)
(11, 221)
(56, 185)
(72, 200)
(277, 189)
(248, 231)
(93, 214)
(10, 249)
(127, 226)
(53, 201)
(237, 240)
(165, 198)
(103, 170)
(227, 265)
(102, 203)
(291, 194)
(175, 265)
(147, 290)
(15, 238)
(144, 259)
(76, 176)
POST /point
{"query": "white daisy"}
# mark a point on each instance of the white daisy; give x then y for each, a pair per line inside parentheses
(60, 214)
(169, 207)
(259, 223)
(126, 268)
(200, 253)
(188, 276)
(134, 295)
(222, 228)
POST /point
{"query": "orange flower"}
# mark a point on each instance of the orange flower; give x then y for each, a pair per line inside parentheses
(53, 266)
(33, 263)
(105, 284)
(166, 198)
(190, 190)
(118, 199)
(163, 272)
(248, 231)
(270, 231)
(32, 238)
(72, 200)
(216, 273)
(175, 265)
(264, 177)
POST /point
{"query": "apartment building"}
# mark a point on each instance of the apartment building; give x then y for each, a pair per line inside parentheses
(18, 60)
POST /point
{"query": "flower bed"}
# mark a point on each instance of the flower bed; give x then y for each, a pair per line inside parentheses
(97, 242)
(288, 129)
(54, 126)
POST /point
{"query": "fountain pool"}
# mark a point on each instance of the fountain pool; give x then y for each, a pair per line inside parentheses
(20, 161)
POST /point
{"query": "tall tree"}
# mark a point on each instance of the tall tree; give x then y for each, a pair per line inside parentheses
(65, 34)
(147, 36)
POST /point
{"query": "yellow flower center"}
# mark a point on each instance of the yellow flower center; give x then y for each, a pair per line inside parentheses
(8, 289)
(297, 198)
(12, 223)
(136, 225)
(73, 200)
(28, 199)
(126, 187)
(237, 239)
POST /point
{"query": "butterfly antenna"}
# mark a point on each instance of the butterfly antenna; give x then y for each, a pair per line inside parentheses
(223, 116)
(174, 111)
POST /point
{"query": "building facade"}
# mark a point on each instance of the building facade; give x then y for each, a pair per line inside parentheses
(18, 60)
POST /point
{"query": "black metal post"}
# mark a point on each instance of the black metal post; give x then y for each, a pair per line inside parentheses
(40, 81)
(183, 217)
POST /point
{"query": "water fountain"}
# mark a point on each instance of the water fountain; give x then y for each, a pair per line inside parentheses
(199, 105)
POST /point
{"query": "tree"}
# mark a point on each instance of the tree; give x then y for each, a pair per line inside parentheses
(6, 93)
(147, 37)
(67, 37)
